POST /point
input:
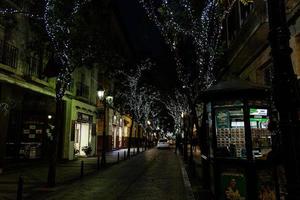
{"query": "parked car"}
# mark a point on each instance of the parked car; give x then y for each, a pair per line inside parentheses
(163, 144)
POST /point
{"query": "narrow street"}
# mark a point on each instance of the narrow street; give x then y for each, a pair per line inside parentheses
(154, 174)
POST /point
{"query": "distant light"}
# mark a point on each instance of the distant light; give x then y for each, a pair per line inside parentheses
(148, 122)
(100, 94)
(49, 116)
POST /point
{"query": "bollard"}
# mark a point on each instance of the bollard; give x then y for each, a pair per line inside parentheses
(124, 155)
(20, 188)
(81, 169)
(118, 156)
(98, 163)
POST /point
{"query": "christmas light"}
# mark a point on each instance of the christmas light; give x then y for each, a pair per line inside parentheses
(176, 106)
(176, 20)
(59, 31)
(11, 11)
(139, 99)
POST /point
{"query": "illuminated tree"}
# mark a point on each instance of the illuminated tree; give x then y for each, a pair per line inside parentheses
(76, 38)
(136, 99)
(176, 106)
(193, 35)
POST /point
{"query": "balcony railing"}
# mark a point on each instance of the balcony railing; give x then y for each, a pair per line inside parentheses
(8, 54)
(32, 67)
(82, 90)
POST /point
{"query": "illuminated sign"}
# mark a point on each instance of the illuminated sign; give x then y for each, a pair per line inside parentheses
(261, 112)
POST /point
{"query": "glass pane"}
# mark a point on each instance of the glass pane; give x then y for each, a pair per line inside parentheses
(261, 136)
(230, 133)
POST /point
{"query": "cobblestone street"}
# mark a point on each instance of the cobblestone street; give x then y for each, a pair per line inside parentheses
(154, 174)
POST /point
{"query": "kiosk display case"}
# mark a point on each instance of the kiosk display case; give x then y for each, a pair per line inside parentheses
(240, 143)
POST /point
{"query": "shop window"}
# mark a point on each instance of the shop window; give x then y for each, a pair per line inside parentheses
(230, 133)
(261, 136)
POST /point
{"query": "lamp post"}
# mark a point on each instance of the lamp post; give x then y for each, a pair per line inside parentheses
(285, 95)
(147, 137)
(101, 95)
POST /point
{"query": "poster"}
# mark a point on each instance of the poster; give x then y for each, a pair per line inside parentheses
(222, 119)
(233, 186)
(266, 185)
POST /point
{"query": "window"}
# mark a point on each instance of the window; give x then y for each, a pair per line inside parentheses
(261, 136)
(245, 11)
(230, 132)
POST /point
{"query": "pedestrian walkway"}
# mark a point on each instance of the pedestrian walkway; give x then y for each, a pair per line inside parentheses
(34, 173)
(152, 175)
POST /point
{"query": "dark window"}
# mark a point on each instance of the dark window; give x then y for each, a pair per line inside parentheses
(8, 54)
(233, 23)
(267, 76)
(245, 11)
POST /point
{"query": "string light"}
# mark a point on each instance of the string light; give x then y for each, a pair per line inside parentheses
(11, 11)
(204, 31)
(59, 32)
(139, 99)
(176, 106)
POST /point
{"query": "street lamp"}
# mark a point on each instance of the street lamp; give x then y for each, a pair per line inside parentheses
(101, 96)
(147, 137)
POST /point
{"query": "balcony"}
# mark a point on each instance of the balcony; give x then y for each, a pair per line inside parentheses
(8, 54)
(82, 90)
(32, 67)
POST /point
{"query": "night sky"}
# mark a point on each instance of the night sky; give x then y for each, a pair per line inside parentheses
(146, 41)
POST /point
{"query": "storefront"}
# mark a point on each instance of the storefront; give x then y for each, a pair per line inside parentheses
(81, 126)
(30, 122)
(240, 144)
(83, 133)
(117, 130)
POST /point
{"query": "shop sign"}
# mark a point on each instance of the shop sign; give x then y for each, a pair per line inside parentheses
(260, 112)
(84, 117)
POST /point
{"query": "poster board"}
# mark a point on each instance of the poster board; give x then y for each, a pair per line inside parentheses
(266, 185)
(233, 186)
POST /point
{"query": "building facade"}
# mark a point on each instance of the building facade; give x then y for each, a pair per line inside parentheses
(246, 42)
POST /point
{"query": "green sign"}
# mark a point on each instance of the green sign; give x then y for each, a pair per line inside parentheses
(260, 112)
(264, 120)
(222, 119)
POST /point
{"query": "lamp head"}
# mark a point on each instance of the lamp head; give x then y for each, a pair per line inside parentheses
(100, 93)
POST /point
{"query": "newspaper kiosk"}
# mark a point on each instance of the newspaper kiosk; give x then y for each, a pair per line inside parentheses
(239, 142)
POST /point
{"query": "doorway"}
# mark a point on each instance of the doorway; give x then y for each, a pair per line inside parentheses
(82, 136)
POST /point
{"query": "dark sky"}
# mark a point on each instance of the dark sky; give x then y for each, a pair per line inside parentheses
(145, 40)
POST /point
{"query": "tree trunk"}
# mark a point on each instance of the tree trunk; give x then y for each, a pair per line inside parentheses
(53, 154)
(185, 128)
(202, 133)
(130, 139)
(139, 139)
(203, 141)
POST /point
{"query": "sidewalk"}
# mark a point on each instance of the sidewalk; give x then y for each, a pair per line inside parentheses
(196, 175)
(35, 173)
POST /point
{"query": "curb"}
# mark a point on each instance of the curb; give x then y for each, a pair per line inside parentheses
(186, 181)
